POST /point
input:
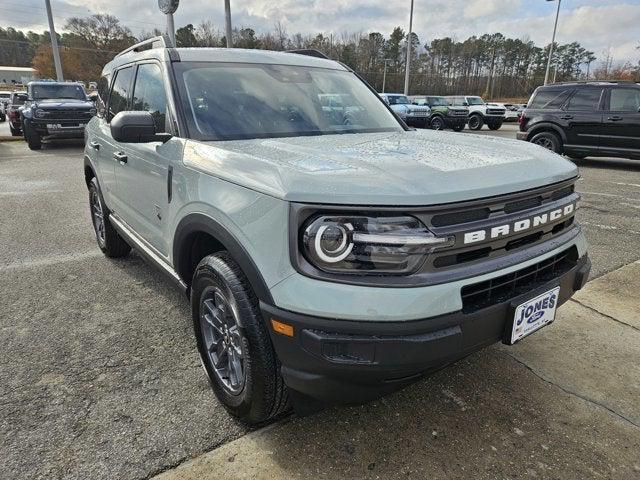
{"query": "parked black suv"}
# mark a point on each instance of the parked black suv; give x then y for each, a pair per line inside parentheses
(583, 119)
(55, 109)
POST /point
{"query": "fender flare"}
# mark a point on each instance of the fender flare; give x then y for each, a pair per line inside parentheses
(198, 222)
(542, 126)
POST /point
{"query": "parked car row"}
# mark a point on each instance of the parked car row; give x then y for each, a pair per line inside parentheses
(454, 112)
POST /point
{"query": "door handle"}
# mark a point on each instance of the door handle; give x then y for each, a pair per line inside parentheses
(94, 145)
(566, 117)
(121, 157)
(615, 118)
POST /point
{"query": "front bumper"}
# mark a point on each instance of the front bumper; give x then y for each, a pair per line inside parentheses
(347, 362)
(453, 121)
(63, 129)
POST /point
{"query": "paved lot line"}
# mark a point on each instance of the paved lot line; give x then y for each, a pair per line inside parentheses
(586, 363)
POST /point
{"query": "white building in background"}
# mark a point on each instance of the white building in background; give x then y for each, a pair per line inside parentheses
(17, 75)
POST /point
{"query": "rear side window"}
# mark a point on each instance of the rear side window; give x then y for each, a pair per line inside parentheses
(149, 94)
(549, 99)
(585, 99)
(119, 98)
(625, 100)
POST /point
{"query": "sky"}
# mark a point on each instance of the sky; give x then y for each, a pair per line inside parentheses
(599, 25)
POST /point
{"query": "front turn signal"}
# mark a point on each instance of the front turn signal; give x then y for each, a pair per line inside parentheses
(282, 328)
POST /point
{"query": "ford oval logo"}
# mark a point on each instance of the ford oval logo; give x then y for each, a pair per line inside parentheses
(536, 316)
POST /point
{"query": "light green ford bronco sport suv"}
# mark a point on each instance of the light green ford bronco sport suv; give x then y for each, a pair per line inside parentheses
(329, 256)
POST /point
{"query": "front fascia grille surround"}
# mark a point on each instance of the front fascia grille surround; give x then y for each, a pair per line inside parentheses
(461, 260)
(505, 287)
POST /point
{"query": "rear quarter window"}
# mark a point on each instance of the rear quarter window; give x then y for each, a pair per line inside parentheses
(549, 99)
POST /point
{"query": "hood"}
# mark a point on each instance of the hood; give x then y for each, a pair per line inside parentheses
(400, 168)
(63, 103)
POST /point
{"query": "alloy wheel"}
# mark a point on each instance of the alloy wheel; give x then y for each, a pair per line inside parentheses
(545, 142)
(222, 340)
(97, 215)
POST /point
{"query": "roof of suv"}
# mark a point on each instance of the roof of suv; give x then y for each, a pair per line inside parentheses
(160, 51)
(590, 83)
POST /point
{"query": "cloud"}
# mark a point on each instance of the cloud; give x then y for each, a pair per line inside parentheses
(485, 8)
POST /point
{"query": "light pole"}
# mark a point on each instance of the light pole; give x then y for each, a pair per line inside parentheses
(54, 43)
(384, 75)
(553, 40)
(227, 21)
(408, 66)
(169, 7)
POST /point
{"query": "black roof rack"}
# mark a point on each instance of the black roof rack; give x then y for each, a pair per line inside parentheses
(593, 82)
(310, 52)
(154, 42)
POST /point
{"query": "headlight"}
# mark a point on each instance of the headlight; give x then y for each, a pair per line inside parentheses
(375, 244)
(40, 113)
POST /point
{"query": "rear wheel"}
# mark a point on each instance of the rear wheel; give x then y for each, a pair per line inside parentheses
(437, 123)
(234, 343)
(109, 240)
(548, 140)
(32, 137)
(15, 132)
(475, 122)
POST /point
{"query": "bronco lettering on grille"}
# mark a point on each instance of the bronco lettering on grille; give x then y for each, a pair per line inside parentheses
(519, 225)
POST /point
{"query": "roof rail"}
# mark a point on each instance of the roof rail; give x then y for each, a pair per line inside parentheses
(310, 52)
(585, 82)
(154, 42)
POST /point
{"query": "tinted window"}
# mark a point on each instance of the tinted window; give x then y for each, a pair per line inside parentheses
(585, 99)
(625, 100)
(149, 94)
(118, 100)
(103, 90)
(549, 99)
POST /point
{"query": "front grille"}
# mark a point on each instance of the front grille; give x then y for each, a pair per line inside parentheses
(67, 114)
(501, 289)
(495, 111)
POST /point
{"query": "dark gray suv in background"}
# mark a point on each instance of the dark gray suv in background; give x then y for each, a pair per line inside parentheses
(582, 119)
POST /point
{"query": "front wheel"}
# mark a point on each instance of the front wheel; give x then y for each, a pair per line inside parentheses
(234, 343)
(109, 240)
(437, 123)
(495, 126)
(458, 127)
(547, 140)
(475, 122)
(31, 136)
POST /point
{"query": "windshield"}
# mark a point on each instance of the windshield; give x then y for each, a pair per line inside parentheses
(57, 90)
(438, 102)
(225, 101)
(19, 99)
(475, 101)
(398, 100)
(4, 95)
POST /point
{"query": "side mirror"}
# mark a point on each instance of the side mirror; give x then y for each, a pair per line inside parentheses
(136, 127)
(465, 104)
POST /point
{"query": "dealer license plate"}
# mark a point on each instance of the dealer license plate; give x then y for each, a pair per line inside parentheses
(534, 314)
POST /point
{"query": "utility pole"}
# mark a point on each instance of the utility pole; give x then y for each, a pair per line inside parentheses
(409, 45)
(227, 21)
(54, 43)
(384, 75)
(553, 41)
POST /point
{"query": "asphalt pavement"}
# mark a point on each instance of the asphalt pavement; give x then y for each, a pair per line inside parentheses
(99, 376)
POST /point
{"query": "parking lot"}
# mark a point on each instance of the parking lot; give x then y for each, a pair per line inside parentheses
(100, 377)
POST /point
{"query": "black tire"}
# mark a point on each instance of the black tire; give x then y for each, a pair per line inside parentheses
(458, 127)
(258, 393)
(548, 140)
(108, 238)
(578, 156)
(14, 131)
(32, 137)
(495, 126)
(437, 123)
(476, 122)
